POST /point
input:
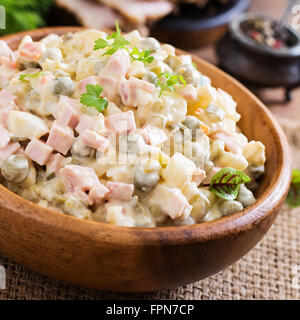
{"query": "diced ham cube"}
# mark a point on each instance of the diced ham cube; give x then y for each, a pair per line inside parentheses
(4, 115)
(118, 64)
(4, 137)
(131, 90)
(141, 84)
(79, 177)
(109, 83)
(153, 135)
(60, 138)
(8, 64)
(232, 144)
(81, 88)
(198, 176)
(91, 123)
(67, 112)
(83, 197)
(38, 151)
(121, 122)
(5, 51)
(55, 163)
(98, 193)
(119, 190)
(94, 140)
(8, 150)
(32, 51)
(7, 99)
(210, 175)
(189, 92)
(85, 122)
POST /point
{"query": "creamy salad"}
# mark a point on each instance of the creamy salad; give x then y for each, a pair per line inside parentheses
(119, 129)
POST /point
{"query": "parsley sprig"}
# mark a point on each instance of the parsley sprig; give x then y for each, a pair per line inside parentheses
(293, 198)
(91, 98)
(119, 42)
(167, 81)
(143, 55)
(226, 183)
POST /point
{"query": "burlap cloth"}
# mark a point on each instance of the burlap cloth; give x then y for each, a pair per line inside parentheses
(264, 273)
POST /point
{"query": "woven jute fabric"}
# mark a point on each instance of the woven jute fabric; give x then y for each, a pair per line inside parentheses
(269, 271)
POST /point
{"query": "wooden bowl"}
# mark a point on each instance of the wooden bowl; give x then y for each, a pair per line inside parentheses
(107, 257)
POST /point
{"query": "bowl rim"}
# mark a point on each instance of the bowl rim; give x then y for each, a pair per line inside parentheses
(212, 230)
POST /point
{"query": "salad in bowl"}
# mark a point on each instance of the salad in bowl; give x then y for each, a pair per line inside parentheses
(118, 128)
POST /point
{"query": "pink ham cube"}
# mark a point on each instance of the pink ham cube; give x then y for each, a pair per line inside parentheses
(118, 64)
(4, 114)
(4, 137)
(136, 84)
(32, 51)
(109, 83)
(81, 88)
(7, 99)
(8, 150)
(98, 193)
(5, 50)
(38, 151)
(210, 175)
(67, 112)
(119, 190)
(177, 206)
(198, 176)
(84, 197)
(189, 92)
(131, 89)
(55, 163)
(85, 122)
(94, 140)
(231, 141)
(60, 138)
(121, 122)
(153, 135)
(79, 177)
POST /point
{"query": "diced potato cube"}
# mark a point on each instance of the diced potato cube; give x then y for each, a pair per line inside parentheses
(254, 152)
(179, 170)
(25, 125)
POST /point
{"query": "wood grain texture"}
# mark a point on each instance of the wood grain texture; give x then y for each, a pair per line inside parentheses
(108, 257)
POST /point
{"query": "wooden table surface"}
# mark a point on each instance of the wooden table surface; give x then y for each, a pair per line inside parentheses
(271, 97)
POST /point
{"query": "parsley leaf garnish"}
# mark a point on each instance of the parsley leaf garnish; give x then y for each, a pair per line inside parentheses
(143, 56)
(293, 198)
(119, 42)
(226, 183)
(167, 81)
(28, 75)
(91, 98)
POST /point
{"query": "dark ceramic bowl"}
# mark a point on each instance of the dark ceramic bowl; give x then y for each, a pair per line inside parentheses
(195, 27)
(256, 64)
